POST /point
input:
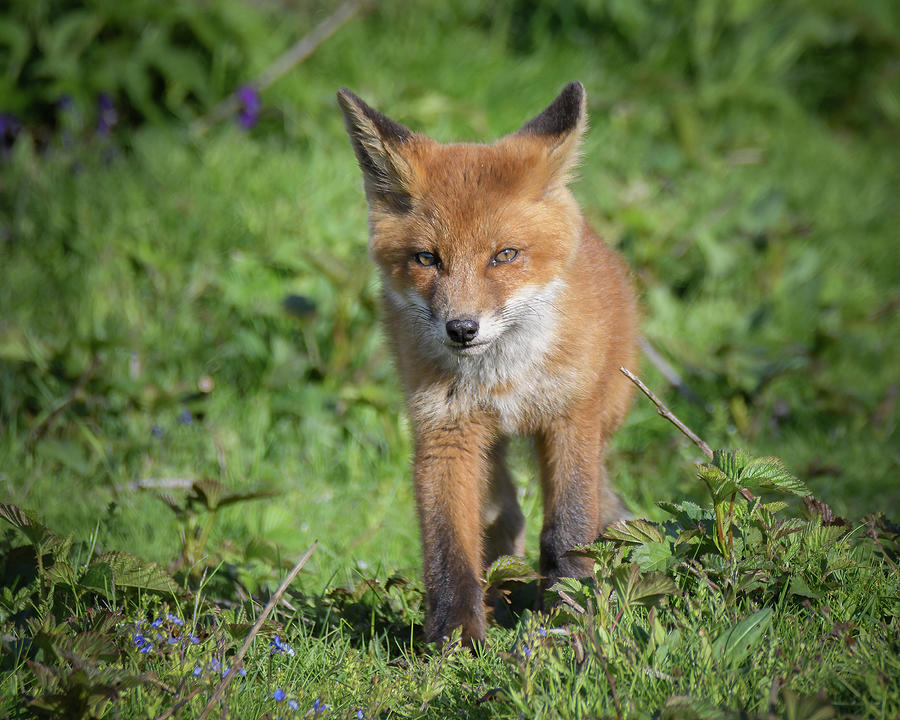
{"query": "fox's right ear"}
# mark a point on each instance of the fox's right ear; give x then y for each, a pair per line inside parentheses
(560, 127)
(378, 142)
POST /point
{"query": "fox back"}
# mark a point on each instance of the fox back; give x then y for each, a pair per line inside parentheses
(506, 315)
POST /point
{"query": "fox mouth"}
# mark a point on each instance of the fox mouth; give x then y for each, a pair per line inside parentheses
(472, 348)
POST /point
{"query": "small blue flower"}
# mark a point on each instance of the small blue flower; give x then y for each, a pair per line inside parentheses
(278, 694)
(542, 632)
(279, 647)
(198, 671)
(156, 431)
(157, 623)
(194, 639)
(242, 672)
(146, 648)
(248, 97)
(215, 665)
(138, 638)
(527, 651)
(360, 715)
(175, 619)
(318, 707)
(293, 704)
(185, 418)
(108, 115)
(172, 640)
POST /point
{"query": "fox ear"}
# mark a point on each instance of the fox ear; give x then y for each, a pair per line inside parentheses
(560, 126)
(377, 141)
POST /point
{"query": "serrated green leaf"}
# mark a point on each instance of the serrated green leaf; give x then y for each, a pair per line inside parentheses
(720, 485)
(735, 644)
(130, 571)
(769, 473)
(632, 586)
(685, 510)
(633, 531)
(98, 578)
(652, 555)
(508, 568)
(38, 534)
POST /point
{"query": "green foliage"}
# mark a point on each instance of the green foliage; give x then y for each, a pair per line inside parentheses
(188, 327)
(162, 60)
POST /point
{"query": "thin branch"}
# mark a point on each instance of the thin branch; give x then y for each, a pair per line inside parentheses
(668, 372)
(669, 415)
(174, 483)
(672, 418)
(296, 54)
(239, 658)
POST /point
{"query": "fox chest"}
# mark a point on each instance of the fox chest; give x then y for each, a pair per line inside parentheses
(514, 384)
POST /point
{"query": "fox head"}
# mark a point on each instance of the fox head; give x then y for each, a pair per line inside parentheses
(471, 239)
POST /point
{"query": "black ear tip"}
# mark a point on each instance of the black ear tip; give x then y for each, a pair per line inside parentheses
(562, 115)
(574, 90)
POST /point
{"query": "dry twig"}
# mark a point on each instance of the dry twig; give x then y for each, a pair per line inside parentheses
(672, 418)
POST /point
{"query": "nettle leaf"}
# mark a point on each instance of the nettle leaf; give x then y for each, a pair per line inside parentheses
(98, 578)
(130, 571)
(769, 473)
(736, 643)
(647, 588)
(686, 512)
(719, 483)
(635, 532)
(730, 462)
(508, 568)
(37, 534)
(652, 555)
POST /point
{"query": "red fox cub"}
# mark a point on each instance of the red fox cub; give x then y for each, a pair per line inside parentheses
(507, 315)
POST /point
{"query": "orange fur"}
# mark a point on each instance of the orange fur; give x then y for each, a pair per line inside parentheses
(506, 315)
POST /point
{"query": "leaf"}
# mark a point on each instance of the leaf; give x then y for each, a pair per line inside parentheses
(508, 568)
(130, 571)
(720, 485)
(37, 534)
(769, 473)
(652, 555)
(730, 462)
(735, 644)
(643, 589)
(633, 531)
(98, 578)
(686, 512)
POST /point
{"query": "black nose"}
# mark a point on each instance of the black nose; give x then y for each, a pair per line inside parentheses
(462, 330)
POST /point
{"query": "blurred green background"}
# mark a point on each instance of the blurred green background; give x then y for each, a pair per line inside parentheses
(187, 297)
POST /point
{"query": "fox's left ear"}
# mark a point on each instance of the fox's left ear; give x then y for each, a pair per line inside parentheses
(560, 126)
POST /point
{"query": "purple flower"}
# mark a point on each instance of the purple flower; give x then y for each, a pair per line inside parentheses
(185, 418)
(293, 704)
(278, 694)
(9, 126)
(279, 647)
(108, 116)
(318, 707)
(198, 671)
(156, 623)
(526, 651)
(175, 619)
(360, 715)
(248, 97)
(542, 632)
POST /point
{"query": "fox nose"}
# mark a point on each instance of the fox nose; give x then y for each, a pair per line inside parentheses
(462, 330)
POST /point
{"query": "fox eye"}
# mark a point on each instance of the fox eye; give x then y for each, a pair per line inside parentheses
(427, 259)
(505, 256)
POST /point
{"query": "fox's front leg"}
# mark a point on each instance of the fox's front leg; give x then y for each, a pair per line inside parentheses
(450, 472)
(578, 502)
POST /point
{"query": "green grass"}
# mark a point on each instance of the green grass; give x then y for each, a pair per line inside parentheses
(756, 202)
